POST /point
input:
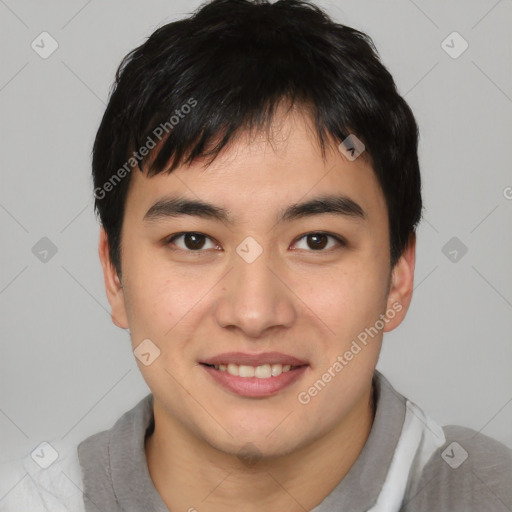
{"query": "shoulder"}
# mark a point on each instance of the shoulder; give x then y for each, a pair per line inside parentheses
(48, 478)
(470, 471)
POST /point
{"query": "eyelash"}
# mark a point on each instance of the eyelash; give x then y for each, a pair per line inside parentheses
(340, 241)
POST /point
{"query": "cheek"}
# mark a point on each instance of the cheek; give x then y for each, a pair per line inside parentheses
(166, 305)
(157, 304)
(159, 311)
(350, 299)
(152, 297)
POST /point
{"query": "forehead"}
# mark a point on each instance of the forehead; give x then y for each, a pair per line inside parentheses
(261, 171)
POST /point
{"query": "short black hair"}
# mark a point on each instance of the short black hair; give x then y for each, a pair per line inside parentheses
(224, 70)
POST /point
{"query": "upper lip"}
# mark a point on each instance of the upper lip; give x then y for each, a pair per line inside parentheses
(241, 358)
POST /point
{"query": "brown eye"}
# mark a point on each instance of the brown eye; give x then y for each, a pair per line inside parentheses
(318, 241)
(191, 241)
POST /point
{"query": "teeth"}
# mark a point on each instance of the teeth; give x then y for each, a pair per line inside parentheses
(233, 369)
(264, 371)
(246, 371)
(276, 370)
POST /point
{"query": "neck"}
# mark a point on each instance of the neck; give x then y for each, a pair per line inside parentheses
(189, 473)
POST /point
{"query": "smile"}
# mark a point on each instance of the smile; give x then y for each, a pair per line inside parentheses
(264, 371)
(254, 376)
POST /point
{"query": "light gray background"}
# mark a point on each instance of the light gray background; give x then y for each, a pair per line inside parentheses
(67, 371)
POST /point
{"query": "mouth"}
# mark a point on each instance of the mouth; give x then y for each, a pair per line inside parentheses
(254, 376)
(264, 371)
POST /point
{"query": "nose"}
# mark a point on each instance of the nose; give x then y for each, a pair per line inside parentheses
(255, 297)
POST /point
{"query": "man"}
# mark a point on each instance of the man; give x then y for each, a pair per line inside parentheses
(257, 182)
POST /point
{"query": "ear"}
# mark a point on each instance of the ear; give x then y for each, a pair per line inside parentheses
(401, 286)
(113, 285)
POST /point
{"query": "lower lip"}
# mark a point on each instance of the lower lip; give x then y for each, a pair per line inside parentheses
(252, 386)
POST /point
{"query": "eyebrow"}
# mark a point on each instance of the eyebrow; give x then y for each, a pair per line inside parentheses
(170, 207)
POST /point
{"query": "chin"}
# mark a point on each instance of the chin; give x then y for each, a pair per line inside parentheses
(250, 452)
(256, 443)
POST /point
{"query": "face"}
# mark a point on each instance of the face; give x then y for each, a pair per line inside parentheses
(264, 321)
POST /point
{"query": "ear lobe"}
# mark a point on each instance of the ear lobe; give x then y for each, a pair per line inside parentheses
(402, 285)
(113, 285)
